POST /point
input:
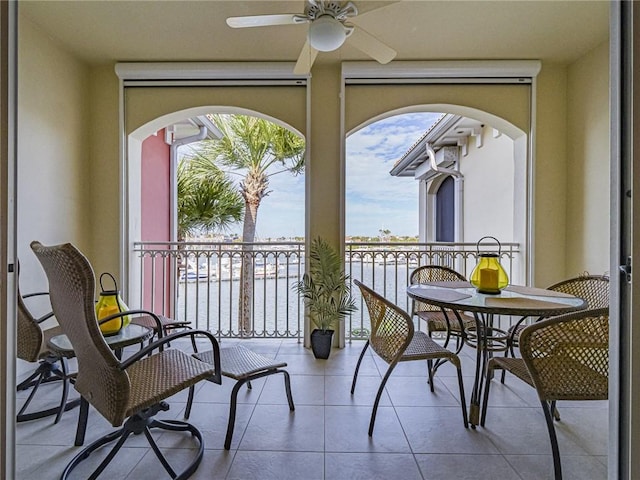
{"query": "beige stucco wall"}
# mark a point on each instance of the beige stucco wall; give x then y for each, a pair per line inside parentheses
(104, 194)
(325, 214)
(588, 163)
(572, 168)
(53, 149)
(550, 175)
(323, 173)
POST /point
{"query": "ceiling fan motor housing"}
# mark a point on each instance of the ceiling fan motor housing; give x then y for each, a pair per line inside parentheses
(315, 10)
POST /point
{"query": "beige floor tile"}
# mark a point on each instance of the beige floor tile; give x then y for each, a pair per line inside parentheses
(418, 434)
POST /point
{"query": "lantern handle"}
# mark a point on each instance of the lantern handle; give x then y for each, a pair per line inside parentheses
(488, 236)
(115, 284)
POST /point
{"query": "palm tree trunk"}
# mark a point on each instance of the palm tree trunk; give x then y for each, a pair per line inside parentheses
(246, 273)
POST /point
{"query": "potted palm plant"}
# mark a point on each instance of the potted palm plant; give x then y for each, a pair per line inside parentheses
(327, 293)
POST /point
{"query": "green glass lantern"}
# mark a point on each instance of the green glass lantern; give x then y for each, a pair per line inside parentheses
(110, 303)
(489, 276)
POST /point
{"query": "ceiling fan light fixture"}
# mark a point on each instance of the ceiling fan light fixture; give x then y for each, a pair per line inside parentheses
(327, 34)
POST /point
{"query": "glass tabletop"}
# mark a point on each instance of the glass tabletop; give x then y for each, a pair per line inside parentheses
(511, 301)
(129, 335)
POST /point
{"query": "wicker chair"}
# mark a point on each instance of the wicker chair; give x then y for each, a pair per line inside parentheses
(161, 325)
(127, 393)
(454, 324)
(32, 347)
(563, 358)
(394, 339)
(594, 289)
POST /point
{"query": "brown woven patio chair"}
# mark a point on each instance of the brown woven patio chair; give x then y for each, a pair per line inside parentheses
(32, 347)
(454, 324)
(593, 289)
(127, 393)
(563, 358)
(394, 339)
(161, 325)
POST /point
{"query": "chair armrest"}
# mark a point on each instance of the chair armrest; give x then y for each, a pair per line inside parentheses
(159, 344)
(34, 294)
(47, 315)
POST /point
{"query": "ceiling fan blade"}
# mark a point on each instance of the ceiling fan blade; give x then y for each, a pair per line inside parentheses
(305, 59)
(370, 45)
(266, 20)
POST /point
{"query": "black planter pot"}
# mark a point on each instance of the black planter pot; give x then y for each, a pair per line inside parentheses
(321, 343)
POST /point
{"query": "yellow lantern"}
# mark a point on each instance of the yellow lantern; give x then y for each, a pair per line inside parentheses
(489, 276)
(110, 303)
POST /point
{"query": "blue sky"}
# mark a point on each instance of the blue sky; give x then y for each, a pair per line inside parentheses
(375, 199)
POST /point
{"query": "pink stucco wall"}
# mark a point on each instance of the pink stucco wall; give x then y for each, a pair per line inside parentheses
(156, 208)
(156, 214)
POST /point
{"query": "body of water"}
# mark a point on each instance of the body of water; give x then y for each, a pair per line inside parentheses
(212, 303)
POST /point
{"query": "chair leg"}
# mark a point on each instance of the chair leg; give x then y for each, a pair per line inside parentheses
(21, 417)
(158, 453)
(46, 372)
(122, 436)
(232, 413)
(187, 410)
(29, 382)
(137, 424)
(287, 389)
(463, 401)
(555, 451)
(378, 395)
(430, 374)
(485, 397)
(65, 389)
(82, 422)
(355, 373)
(234, 399)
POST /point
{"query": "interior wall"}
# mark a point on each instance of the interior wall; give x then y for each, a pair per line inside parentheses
(53, 149)
(550, 176)
(103, 180)
(588, 203)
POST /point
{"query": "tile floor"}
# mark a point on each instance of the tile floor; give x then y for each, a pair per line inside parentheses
(418, 434)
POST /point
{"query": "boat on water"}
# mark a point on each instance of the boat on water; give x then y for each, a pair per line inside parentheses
(203, 273)
(229, 269)
(265, 270)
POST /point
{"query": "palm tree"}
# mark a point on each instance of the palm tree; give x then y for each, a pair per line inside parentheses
(207, 199)
(255, 149)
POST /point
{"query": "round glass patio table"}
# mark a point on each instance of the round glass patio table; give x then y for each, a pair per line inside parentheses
(513, 300)
(129, 335)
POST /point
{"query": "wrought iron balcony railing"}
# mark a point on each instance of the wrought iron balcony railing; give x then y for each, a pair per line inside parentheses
(201, 281)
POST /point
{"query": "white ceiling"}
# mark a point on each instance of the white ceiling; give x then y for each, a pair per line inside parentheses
(107, 31)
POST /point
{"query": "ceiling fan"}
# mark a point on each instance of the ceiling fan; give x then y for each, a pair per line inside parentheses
(328, 30)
